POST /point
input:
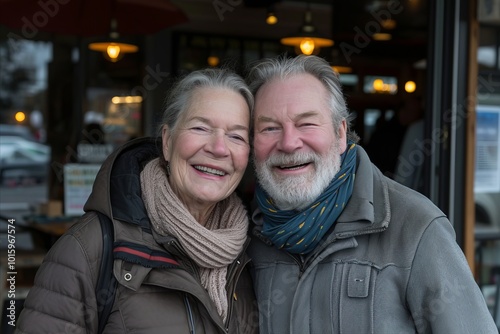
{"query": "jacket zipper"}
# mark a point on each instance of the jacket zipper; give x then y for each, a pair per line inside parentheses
(234, 276)
(189, 312)
(186, 263)
(193, 270)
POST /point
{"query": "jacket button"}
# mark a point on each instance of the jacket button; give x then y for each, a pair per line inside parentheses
(127, 276)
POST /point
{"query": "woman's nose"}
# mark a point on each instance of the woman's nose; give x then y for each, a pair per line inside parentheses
(217, 144)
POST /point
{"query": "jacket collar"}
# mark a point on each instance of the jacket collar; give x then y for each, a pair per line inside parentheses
(368, 209)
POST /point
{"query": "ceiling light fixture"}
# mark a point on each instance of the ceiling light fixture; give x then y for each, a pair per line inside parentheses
(271, 17)
(342, 69)
(307, 41)
(382, 36)
(126, 99)
(339, 63)
(385, 35)
(388, 24)
(213, 61)
(410, 86)
(112, 49)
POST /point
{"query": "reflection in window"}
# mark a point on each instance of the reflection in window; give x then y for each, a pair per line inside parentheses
(488, 52)
(348, 81)
(23, 82)
(371, 116)
(24, 158)
(380, 85)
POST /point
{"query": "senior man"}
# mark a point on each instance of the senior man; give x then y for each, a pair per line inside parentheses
(338, 247)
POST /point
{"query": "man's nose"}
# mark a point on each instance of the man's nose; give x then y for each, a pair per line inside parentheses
(290, 140)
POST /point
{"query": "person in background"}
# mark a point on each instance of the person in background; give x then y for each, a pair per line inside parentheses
(386, 141)
(337, 247)
(93, 132)
(411, 157)
(180, 231)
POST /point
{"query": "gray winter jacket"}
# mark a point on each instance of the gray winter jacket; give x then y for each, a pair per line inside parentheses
(390, 265)
(159, 289)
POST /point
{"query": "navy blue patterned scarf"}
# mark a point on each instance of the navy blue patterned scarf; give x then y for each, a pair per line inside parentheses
(299, 232)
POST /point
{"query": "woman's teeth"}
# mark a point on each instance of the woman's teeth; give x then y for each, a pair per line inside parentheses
(210, 170)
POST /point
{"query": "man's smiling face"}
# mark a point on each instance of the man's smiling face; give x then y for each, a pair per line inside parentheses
(296, 149)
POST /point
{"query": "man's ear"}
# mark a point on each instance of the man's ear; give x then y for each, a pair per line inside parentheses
(342, 136)
(166, 141)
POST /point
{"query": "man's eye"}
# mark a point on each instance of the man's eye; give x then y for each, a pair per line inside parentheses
(269, 129)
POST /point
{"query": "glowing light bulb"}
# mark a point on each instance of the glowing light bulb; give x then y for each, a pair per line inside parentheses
(307, 46)
(113, 51)
(271, 19)
(378, 85)
(20, 116)
(410, 86)
(213, 61)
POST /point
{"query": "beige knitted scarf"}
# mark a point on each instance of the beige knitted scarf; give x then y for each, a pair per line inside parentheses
(213, 246)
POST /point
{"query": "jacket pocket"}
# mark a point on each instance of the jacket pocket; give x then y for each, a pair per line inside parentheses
(358, 283)
(356, 302)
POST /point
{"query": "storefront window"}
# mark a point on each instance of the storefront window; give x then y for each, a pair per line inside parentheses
(24, 155)
(487, 166)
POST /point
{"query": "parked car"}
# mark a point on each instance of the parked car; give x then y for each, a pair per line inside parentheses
(22, 161)
(16, 130)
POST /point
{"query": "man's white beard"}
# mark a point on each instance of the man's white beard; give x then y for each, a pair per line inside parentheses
(298, 192)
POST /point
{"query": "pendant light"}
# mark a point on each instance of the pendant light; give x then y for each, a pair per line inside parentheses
(306, 40)
(113, 50)
(271, 17)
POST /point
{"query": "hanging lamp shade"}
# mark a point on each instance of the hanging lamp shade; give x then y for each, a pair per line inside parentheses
(112, 49)
(307, 41)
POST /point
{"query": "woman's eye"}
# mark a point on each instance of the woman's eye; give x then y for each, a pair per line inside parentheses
(199, 128)
(237, 137)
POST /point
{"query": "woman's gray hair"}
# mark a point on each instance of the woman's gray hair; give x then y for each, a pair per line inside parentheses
(281, 68)
(179, 98)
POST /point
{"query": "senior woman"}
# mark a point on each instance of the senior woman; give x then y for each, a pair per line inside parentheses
(180, 230)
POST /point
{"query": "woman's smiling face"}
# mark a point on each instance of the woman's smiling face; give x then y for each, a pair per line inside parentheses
(208, 150)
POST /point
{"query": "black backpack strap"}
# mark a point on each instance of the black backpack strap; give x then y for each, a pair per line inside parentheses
(106, 283)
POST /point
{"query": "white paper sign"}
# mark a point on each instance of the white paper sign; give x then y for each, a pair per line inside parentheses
(487, 178)
(78, 181)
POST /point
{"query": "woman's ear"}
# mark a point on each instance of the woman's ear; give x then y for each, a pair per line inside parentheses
(165, 140)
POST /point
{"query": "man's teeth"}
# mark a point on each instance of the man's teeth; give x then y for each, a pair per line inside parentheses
(210, 170)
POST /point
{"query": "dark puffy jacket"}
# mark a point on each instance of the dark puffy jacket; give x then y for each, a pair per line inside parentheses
(158, 288)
